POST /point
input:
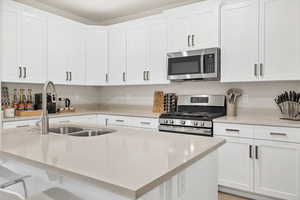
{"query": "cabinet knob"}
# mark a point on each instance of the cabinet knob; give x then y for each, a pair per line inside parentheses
(193, 40)
(255, 70)
(25, 72)
(261, 69)
(67, 76)
(189, 38)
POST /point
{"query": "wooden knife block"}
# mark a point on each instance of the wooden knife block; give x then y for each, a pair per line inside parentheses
(158, 102)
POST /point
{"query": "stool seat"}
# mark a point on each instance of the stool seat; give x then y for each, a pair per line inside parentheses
(55, 194)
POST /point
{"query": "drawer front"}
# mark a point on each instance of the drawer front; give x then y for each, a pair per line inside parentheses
(118, 121)
(277, 134)
(88, 119)
(20, 124)
(151, 123)
(233, 130)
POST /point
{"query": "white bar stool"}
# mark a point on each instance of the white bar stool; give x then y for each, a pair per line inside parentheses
(9, 178)
(50, 194)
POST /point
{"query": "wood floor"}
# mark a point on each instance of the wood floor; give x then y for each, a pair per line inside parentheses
(223, 196)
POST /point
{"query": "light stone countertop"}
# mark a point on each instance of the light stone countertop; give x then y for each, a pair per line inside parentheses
(123, 110)
(129, 162)
(262, 117)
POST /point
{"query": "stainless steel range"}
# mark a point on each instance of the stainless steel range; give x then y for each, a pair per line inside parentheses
(195, 114)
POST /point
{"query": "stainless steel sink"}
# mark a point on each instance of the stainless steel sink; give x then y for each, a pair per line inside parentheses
(81, 132)
(65, 130)
(95, 132)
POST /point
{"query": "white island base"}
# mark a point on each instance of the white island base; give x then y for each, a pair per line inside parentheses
(197, 182)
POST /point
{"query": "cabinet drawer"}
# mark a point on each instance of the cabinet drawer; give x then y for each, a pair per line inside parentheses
(277, 134)
(19, 124)
(119, 120)
(145, 122)
(233, 130)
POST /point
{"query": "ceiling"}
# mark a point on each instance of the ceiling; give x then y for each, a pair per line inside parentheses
(108, 11)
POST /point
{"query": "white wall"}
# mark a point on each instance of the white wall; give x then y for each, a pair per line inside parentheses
(77, 94)
(256, 95)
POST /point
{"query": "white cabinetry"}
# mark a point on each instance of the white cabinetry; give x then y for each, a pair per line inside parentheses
(277, 169)
(66, 51)
(236, 164)
(265, 163)
(268, 27)
(23, 44)
(136, 52)
(239, 41)
(198, 29)
(96, 56)
(117, 56)
(280, 41)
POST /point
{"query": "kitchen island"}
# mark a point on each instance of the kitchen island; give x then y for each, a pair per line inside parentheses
(127, 164)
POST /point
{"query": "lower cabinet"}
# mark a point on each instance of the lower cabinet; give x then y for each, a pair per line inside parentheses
(260, 166)
(277, 169)
(236, 164)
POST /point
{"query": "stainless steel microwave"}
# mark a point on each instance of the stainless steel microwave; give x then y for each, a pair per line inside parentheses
(194, 65)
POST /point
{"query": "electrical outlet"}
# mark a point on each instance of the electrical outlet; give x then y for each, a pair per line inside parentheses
(245, 98)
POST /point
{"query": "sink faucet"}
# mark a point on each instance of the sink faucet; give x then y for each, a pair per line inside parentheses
(44, 116)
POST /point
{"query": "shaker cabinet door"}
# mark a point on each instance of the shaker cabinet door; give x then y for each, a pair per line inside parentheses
(136, 54)
(178, 34)
(58, 51)
(280, 30)
(9, 62)
(157, 53)
(96, 56)
(277, 169)
(33, 31)
(117, 57)
(236, 164)
(240, 41)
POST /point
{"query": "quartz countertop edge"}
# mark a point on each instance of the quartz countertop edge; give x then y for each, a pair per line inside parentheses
(123, 191)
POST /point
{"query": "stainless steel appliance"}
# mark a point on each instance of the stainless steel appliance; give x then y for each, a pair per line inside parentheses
(195, 114)
(194, 65)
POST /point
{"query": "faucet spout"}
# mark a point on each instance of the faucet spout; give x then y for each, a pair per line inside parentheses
(45, 117)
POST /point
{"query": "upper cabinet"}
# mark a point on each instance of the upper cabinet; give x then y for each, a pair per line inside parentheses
(117, 56)
(239, 41)
(96, 56)
(66, 51)
(199, 29)
(265, 43)
(23, 43)
(137, 53)
(280, 41)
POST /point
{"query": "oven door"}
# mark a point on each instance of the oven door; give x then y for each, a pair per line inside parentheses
(182, 68)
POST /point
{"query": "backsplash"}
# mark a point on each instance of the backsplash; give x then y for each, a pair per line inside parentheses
(256, 95)
(77, 94)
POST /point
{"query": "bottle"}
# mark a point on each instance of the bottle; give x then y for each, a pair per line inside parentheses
(15, 104)
(21, 100)
(29, 103)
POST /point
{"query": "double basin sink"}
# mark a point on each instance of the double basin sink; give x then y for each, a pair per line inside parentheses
(80, 132)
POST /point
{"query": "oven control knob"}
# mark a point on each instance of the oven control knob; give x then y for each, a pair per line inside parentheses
(171, 121)
(202, 124)
(196, 124)
(182, 122)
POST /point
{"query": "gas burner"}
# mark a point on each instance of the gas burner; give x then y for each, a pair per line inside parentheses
(194, 115)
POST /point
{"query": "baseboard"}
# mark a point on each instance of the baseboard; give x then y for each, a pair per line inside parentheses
(248, 195)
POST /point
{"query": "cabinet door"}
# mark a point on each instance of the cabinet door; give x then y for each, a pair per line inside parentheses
(136, 55)
(280, 39)
(239, 41)
(117, 57)
(33, 47)
(58, 52)
(204, 29)
(96, 56)
(178, 34)
(157, 53)
(236, 164)
(9, 45)
(77, 55)
(277, 169)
